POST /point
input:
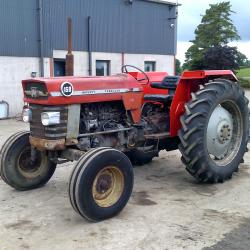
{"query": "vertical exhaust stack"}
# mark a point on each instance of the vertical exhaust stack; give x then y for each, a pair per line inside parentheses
(69, 56)
(89, 46)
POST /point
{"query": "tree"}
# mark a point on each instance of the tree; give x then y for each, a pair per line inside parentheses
(222, 57)
(215, 31)
(178, 69)
(242, 59)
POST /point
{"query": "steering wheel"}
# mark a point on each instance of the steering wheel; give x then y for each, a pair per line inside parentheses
(125, 70)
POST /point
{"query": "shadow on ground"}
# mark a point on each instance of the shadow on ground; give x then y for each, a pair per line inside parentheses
(237, 239)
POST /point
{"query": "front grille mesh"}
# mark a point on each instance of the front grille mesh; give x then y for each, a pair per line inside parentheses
(37, 90)
(57, 131)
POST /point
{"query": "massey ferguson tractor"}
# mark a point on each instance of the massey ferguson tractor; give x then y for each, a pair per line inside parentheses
(107, 124)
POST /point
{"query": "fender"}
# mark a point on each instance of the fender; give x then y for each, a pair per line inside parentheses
(188, 83)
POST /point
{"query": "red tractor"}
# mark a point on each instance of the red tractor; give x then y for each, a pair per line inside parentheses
(107, 124)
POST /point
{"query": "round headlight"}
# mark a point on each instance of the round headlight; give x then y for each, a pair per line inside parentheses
(45, 119)
(50, 118)
(27, 115)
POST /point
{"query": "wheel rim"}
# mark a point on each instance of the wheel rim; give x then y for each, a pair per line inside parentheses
(224, 133)
(28, 168)
(108, 186)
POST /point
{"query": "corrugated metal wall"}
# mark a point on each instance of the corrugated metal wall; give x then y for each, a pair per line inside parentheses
(142, 27)
(18, 28)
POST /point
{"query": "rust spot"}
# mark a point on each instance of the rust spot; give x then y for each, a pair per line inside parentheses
(71, 141)
(43, 144)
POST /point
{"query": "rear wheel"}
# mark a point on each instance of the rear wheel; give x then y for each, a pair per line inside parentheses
(17, 168)
(214, 131)
(101, 184)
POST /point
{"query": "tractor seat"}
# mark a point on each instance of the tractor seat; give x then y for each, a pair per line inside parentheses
(159, 98)
(169, 82)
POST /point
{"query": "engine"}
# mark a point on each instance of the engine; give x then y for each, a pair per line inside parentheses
(108, 125)
(155, 118)
(97, 120)
(102, 117)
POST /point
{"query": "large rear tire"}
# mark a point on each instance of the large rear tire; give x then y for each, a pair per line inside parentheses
(17, 169)
(101, 184)
(214, 131)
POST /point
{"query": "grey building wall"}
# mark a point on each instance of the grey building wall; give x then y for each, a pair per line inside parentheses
(141, 27)
(18, 28)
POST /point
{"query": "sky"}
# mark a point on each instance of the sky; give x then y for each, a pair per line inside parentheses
(189, 17)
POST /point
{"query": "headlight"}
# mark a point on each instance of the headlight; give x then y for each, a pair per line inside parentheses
(50, 118)
(27, 115)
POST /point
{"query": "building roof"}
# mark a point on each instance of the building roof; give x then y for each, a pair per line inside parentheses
(164, 2)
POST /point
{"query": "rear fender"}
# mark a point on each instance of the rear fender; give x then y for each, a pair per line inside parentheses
(189, 82)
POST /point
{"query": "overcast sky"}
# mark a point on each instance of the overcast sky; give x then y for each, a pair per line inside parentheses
(189, 17)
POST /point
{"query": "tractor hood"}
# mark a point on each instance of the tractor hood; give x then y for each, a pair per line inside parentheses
(69, 90)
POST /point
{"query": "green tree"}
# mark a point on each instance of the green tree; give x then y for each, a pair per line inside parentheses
(242, 60)
(216, 30)
(178, 69)
(222, 57)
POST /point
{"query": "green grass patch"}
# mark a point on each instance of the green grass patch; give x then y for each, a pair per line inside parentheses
(243, 72)
(245, 83)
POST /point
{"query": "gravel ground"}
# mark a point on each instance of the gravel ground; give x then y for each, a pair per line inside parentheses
(168, 210)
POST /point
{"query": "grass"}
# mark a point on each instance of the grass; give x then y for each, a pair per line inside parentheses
(244, 77)
(244, 83)
(243, 72)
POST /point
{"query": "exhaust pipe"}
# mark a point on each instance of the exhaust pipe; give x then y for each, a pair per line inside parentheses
(69, 57)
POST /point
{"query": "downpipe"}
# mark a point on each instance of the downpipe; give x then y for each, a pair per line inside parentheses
(89, 47)
(40, 21)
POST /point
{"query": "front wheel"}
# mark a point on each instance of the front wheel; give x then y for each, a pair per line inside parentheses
(101, 184)
(18, 170)
(214, 131)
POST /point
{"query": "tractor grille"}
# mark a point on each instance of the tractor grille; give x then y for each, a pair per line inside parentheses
(57, 131)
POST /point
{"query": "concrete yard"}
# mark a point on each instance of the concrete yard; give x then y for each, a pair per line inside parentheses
(168, 210)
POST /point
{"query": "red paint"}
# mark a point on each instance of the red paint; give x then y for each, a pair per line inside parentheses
(189, 82)
(153, 77)
(209, 74)
(132, 100)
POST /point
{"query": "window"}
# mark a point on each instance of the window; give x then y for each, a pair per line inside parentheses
(59, 67)
(102, 68)
(149, 66)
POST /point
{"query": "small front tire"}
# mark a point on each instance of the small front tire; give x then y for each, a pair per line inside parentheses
(101, 184)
